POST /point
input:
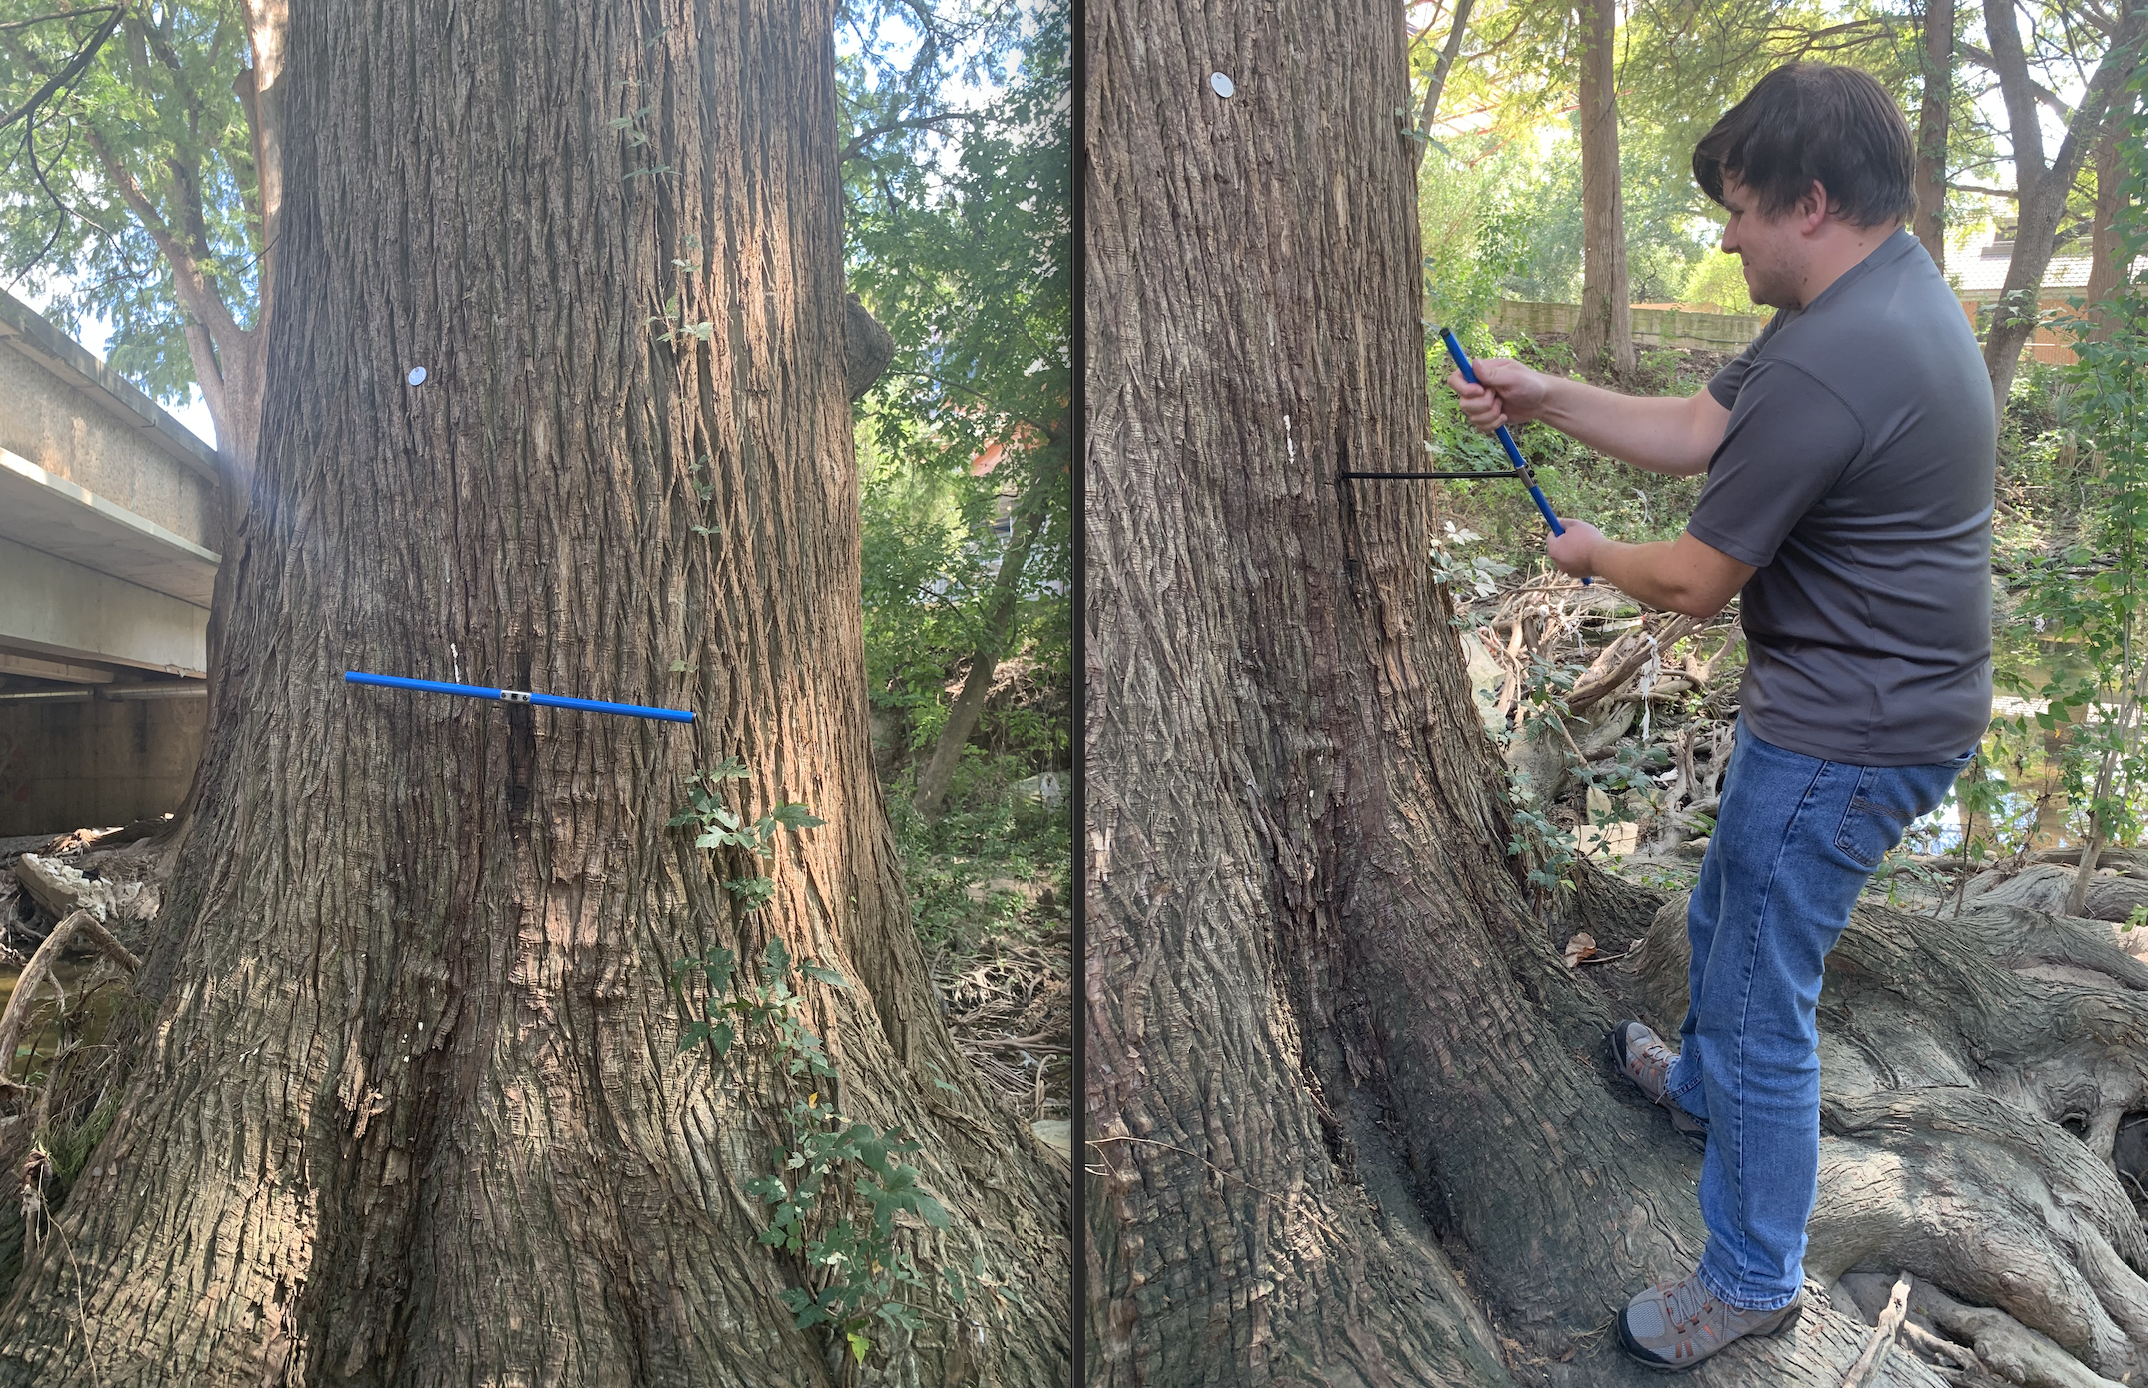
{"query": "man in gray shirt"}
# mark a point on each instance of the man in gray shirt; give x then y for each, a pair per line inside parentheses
(1849, 452)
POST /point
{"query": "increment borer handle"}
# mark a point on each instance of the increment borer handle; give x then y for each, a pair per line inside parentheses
(1506, 440)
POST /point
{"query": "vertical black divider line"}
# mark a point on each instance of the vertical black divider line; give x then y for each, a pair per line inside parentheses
(521, 748)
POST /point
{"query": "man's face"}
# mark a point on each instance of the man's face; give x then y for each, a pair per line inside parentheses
(1771, 250)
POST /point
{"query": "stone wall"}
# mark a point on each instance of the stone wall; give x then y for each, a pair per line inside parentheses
(1652, 327)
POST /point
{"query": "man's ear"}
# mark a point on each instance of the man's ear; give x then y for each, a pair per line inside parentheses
(1811, 209)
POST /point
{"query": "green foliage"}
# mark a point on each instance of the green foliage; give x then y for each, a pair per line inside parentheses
(960, 242)
(1476, 221)
(2072, 546)
(1454, 567)
(988, 834)
(1717, 282)
(2082, 597)
(1547, 848)
(149, 149)
(1679, 66)
(1624, 501)
(720, 826)
(836, 1186)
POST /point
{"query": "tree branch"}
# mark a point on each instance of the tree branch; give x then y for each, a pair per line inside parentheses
(72, 70)
(56, 14)
(1439, 74)
(2012, 67)
(859, 141)
(2043, 93)
(195, 291)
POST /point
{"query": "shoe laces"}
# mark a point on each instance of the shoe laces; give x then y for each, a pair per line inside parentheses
(1688, 1302)
(1655, 1058)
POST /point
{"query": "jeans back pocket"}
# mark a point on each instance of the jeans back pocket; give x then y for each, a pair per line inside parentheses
(1887, 801)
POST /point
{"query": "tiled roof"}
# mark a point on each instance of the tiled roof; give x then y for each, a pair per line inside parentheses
(1979, 270)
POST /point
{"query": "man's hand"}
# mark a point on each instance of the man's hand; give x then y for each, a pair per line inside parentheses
(1507, 393)
(1575, 551)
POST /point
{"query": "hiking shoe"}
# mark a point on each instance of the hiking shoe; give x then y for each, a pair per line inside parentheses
(1675, 1325)
(1643, 1058)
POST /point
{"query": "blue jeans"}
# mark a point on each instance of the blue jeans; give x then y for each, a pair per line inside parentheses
(1794, 843)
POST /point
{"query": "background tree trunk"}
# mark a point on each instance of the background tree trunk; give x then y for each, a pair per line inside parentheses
(2106, 243)
(939, 772)
(2043, 190)
(412, 1108)
(1349, 1117)
(1933, 110)
(1457, 29)
(1605, 329)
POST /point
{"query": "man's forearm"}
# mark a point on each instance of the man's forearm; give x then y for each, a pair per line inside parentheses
(1656, 433)
(1654, 574)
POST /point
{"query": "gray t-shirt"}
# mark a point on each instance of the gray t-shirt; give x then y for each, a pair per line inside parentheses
(1856, 476)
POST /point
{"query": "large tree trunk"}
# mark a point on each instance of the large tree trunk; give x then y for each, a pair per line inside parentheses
(1934, 107)
(1605, 329)
(2043, 190)
(412, 1109)
(1349, 1118)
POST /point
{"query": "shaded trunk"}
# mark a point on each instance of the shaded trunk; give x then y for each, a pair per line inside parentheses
(1349, 1119)
(1006, 599)
(1936, 104)
(412, 1109)
(231, 363)
(2043, 189)
(1604, 335)
(2106, 242)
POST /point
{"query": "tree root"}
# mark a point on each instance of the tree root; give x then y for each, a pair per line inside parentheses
(2002, 1344)
(2045, 888)
(1974, 1074)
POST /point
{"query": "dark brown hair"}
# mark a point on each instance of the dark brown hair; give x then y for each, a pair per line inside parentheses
(1807, 121)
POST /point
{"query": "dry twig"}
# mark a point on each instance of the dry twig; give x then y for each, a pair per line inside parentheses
(1890, 1321)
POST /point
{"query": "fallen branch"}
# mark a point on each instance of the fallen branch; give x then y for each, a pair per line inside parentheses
(2125, 859)
(1610, 672)
(1961, 1356)
(1883, 1334)
(38, 970)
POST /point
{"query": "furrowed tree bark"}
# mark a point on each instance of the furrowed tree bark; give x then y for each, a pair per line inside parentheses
(939, 773)
(1349, 1118)
(1605, 328)
(1935, 106)
(412, 1108)
(2043, 189)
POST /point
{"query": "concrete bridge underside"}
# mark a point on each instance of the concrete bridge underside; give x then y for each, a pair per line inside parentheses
(108, 537)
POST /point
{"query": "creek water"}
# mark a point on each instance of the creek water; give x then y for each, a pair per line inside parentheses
(42, 1037)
